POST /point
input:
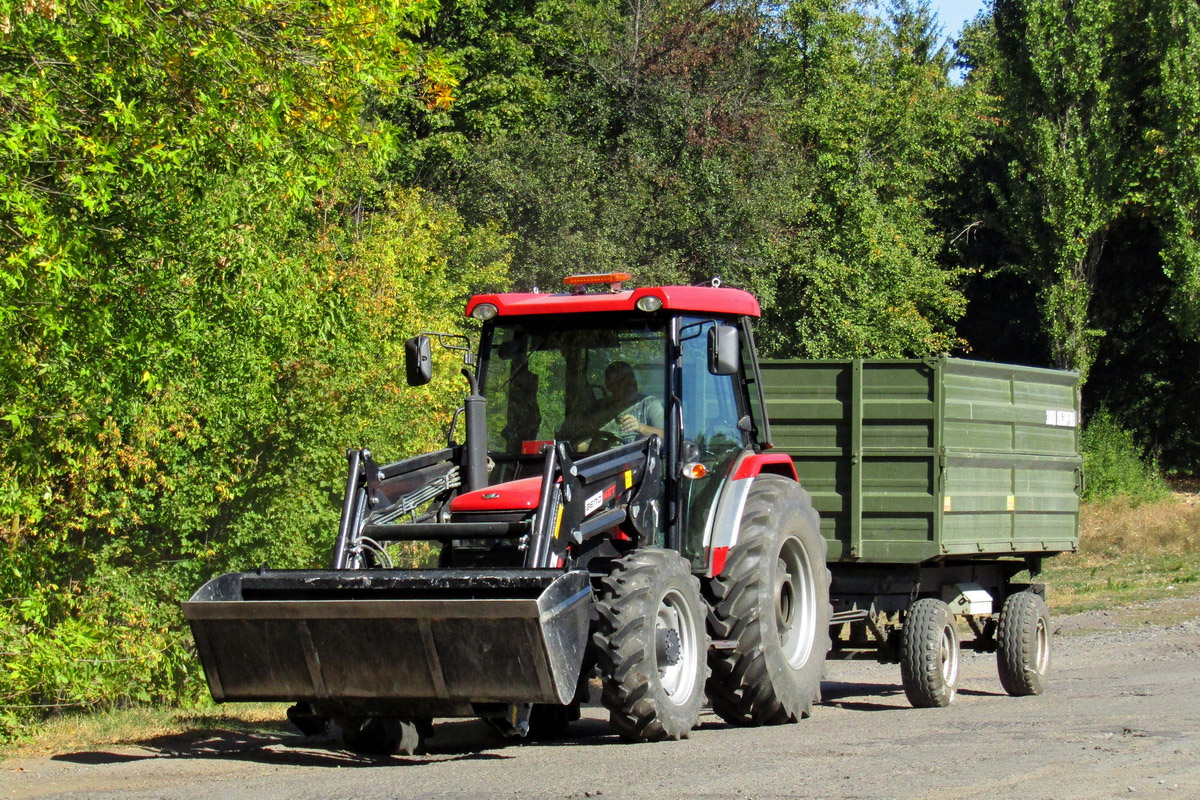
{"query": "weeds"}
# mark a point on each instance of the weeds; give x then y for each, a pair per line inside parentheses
(77, 731)
(1115, 466)
(1129, 553)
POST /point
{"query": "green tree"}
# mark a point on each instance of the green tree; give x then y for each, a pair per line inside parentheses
(639, 156)
(683, 139)
(1070, 178)
(874, 115)
(1169, 85)
(1091, 203)
(1100, 105)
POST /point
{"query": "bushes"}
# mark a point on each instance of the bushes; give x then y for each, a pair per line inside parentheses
(230, 456)
(112, 642)
(202, 295)
(1115, 466)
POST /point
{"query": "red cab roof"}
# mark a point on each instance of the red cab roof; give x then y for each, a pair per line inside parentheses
(704, 299)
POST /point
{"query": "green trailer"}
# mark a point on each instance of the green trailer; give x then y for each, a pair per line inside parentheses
(938, 481)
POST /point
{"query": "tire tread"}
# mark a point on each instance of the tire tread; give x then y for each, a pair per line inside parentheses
(1016, 644)
(742, 689)
(920, 656)
(620, 646)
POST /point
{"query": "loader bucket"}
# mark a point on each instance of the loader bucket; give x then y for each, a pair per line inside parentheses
(413, 641)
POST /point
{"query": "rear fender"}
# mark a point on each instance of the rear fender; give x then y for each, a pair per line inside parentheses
(724, 525)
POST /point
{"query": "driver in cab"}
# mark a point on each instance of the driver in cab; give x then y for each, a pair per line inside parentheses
(630, 414)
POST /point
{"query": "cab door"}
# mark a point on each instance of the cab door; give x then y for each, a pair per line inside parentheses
(710, 407)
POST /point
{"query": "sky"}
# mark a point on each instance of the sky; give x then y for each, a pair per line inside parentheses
(953, 13)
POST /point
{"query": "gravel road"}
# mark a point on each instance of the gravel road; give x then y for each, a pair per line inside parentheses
(1121, 718)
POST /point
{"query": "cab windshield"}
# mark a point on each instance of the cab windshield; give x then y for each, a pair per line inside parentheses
(595, 385)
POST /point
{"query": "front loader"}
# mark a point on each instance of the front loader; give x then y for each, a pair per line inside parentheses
(610, 510)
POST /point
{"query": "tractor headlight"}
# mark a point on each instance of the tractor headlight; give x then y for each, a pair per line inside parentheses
(484, 311)
(649, 303)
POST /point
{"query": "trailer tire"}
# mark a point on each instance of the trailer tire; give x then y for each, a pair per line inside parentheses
(772, 601)
(1023, 644)
(929, 654)
(650, 645)
(382, 735)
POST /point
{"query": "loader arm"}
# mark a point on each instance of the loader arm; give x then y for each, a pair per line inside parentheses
(354, 641)
(578, 500)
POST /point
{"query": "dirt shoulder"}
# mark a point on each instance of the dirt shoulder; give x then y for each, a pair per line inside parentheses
(1170, 611)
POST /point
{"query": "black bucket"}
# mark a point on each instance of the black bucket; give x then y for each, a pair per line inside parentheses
(412, 641)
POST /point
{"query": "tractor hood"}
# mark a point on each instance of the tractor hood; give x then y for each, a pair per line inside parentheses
(519, 495)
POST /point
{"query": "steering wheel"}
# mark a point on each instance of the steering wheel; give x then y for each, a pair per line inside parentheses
(604, 440)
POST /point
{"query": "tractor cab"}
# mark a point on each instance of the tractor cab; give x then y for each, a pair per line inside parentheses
(600, 368)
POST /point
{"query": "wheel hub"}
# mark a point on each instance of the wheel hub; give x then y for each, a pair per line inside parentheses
(948, 655)
(676, 648)
(785, 598)
(667, 647)
(1042, 658)
(795, 603)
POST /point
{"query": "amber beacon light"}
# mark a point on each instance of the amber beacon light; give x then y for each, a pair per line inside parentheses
(614, 279)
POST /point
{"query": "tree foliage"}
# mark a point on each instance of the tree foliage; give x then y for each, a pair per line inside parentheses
(1099, 102)
(685, 139)
(202, 293)
(881, 126)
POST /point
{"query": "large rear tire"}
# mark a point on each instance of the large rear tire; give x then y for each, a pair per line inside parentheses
(1023, 644)
(650, 644)
(929, 652)
(772, 601)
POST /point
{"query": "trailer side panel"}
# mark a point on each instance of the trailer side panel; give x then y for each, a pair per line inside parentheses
(910, 460)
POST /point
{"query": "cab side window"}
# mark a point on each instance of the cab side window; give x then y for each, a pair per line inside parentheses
(710, 430)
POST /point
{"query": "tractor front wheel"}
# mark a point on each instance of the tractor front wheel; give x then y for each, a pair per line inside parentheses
(650, 645)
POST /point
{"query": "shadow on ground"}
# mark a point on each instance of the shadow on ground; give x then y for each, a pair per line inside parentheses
(231, 739)
(455, 740)
(877, 696)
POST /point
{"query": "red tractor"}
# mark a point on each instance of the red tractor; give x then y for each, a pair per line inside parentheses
(614, 508)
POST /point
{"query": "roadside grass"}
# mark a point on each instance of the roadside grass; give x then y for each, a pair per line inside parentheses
(76, 732)
(1129, 554)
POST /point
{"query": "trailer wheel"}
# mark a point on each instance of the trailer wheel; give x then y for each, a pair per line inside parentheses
(650, 644)
(929, 654)
(383, 735)
(772, 601)
(1023, 644)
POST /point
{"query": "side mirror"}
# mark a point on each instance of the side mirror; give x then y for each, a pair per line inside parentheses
(724, 350)
(418, 361)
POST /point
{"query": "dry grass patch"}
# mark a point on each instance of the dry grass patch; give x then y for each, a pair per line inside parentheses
(1129, 554)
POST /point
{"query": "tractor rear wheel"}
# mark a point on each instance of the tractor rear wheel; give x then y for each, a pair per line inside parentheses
(650, 643)
(772, 601)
